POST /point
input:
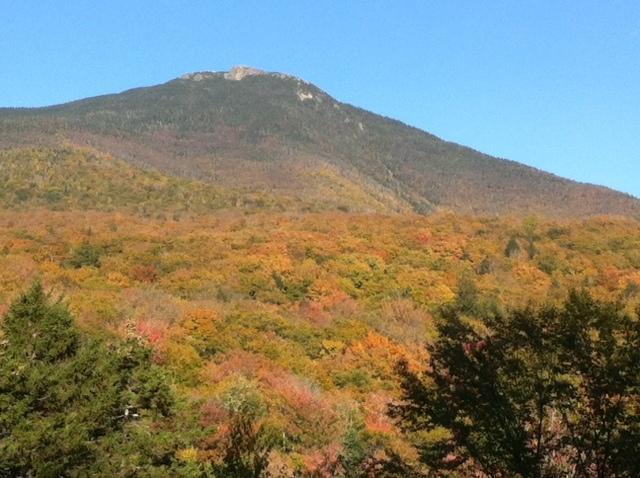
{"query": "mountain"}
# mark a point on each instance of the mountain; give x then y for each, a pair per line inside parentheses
(276, 134)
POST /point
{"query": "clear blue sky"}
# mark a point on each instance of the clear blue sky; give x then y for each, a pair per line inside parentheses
(554, 84)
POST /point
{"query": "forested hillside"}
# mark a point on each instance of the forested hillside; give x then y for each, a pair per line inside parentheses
(235, 275)
(279, 333)
(274, 133)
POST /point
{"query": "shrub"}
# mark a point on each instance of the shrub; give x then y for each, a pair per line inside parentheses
(85, 255)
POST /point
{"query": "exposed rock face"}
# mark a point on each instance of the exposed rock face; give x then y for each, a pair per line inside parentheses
(199, 76)
(304, 95)
(236, 73)
(239, 72)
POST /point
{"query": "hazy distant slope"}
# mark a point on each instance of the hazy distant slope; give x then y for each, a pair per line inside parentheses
(276, 133)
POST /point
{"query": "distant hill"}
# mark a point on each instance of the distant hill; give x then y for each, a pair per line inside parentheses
(276, 134)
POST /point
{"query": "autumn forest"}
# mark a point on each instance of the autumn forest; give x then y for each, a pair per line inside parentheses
(162, 317)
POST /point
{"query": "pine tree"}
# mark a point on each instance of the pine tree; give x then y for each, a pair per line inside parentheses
(71, 406)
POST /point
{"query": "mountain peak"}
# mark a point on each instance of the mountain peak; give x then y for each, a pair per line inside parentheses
(236, 73)
(239, 72)
(269, 132)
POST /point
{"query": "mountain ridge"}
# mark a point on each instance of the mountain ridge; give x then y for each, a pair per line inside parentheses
(270, 131)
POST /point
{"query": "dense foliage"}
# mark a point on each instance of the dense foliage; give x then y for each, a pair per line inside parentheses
(73, 178)
(71, 406)
(304, 317)
(252, 338)
(547, 393)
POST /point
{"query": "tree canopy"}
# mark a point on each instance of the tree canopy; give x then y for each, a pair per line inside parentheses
(552, 392)
(71, 406)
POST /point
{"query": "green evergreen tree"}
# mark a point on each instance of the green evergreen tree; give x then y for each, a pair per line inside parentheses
(86, 255)
(71, 406)
(467, 297)
(513, 248)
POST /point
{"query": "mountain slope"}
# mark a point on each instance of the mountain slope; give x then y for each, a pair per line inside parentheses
(276, 133)
(72, 178)
(63, 179)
